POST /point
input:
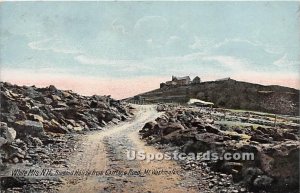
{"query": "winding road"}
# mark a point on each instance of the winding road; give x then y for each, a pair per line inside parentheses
(106, 151)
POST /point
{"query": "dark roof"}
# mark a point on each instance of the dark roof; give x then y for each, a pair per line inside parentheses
(181, 78)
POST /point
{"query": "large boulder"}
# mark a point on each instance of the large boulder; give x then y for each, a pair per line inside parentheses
(171, 127)
(281, 162)
(11, 134)
(147, 127)
(26, 128)
(150, 128)
(275, 166)
(204, 142)
(7, 133)
(34, 117)
(2, 141)
(55, 127)
(13, 153)
(212, 129)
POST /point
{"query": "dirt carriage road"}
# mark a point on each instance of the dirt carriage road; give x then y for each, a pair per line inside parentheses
(106, 151)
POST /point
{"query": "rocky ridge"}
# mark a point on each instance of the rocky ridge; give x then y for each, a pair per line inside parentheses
(39, 127)
(230, 94)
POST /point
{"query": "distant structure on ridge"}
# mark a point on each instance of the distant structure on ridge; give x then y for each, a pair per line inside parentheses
(180, 81)
(185, 80)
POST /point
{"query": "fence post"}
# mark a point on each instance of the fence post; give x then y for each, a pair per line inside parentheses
(248, 117)
(210, 111)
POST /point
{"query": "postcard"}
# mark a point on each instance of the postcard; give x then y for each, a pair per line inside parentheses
(149, 96)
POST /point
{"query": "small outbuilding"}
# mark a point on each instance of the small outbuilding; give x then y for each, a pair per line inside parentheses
(196, 80)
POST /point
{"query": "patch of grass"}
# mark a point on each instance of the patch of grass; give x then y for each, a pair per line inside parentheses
(271, 116)
(238, 124)
(233, 133)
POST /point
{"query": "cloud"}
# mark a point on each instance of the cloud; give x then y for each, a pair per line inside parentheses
(177, 59)
(228, 61)
(155, 27)
(173, 40)
(151, 21)
(120, 65)
(53, 45)
(252, 54)
(89, 60)
(157, 65)
(284, 61)
(201, 58)
(118, 27)
(168, 63)
(228, 41)
(244, 42)
(201, 43)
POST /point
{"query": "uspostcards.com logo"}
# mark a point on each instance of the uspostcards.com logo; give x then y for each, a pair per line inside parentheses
(206, 156)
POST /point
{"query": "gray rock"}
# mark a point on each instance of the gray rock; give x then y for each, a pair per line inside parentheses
(36, 141)
(6, 132)
(26, 128)
(2, 141)
(262, 181)
(212, 129)
(15, 160)
(11, 134)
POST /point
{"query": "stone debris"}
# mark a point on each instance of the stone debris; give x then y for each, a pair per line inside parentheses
(39, 126)
(275, 167)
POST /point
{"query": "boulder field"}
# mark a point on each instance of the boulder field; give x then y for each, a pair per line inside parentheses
(37, 123)
(275, 166)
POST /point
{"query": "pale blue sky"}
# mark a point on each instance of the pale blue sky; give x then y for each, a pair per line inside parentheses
(151, 39)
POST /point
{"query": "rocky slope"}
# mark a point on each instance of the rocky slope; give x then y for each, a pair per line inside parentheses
(232, 94)
(39, 125)
(275, 167)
